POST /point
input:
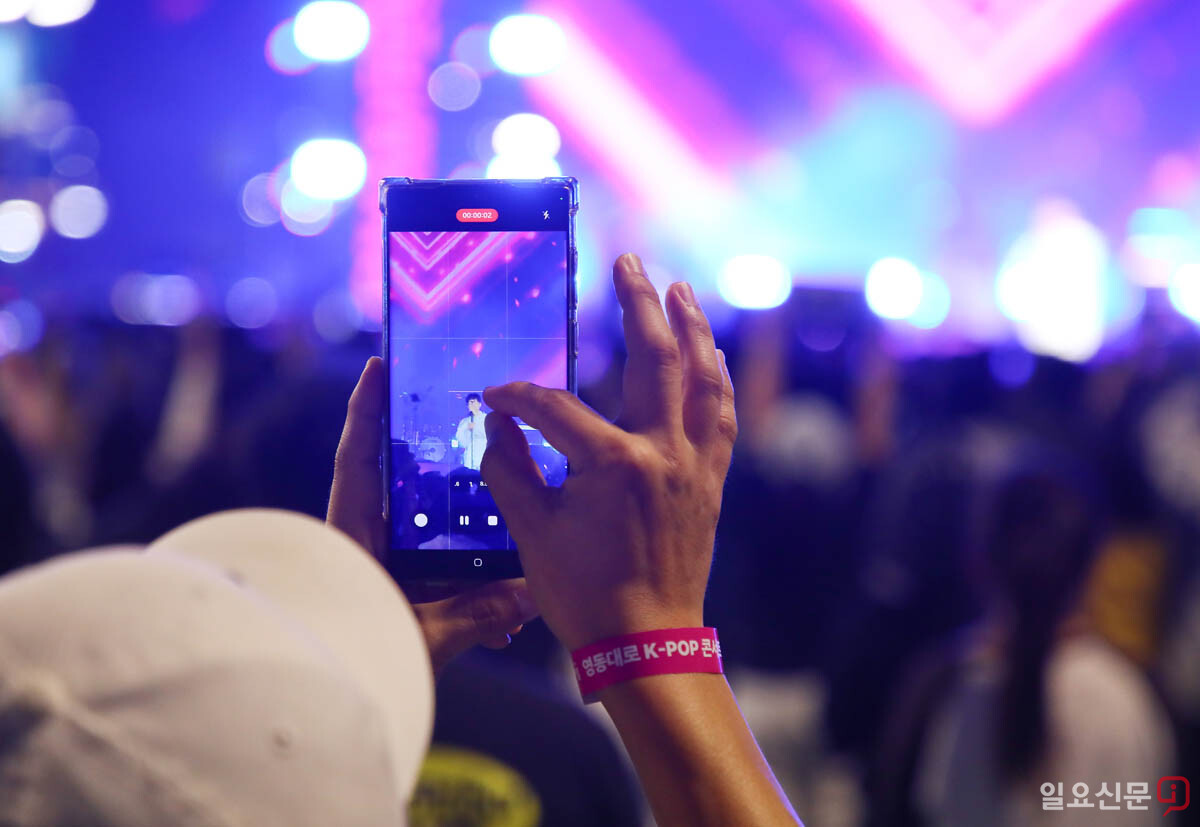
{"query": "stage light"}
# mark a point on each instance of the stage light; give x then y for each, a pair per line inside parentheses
(1184, 290)
(10, 333)
(170, 300)
(301, 214)
(257, 208)
(894, 288)
(1051, 284)
(329, 168)
(73, 151)
(21, 326)
(21, 227)
(754, 282)
(58, 12)
(282, 54)
(331, 30)
(1160, 240)
(471, 48)
(251, 302)
(934, 306)
(78, 211)
(527, 44)
(526, 134)
(454, 86)
(523, 166)
(336, 317)
(11, 10)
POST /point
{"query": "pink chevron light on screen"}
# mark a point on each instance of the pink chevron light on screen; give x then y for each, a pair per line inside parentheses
(425, 268)
(982, 59)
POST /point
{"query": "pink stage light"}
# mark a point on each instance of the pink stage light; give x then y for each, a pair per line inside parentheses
(610, 119)
(982, 63)
(397, 127)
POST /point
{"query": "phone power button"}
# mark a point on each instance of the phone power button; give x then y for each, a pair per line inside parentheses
(478, 562)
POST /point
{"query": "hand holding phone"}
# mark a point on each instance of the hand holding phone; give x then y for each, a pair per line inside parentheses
(479, 282)
(451, 620)
(625, 545)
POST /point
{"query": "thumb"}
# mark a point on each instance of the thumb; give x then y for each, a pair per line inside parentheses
(485, 613)
(513, 478)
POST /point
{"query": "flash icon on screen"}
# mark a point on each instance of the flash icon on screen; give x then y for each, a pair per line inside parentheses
(546, 214)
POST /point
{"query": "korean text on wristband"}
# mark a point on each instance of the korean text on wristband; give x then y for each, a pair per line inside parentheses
(658, 652)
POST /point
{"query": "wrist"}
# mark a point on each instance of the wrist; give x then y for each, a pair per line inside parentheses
(624, 658)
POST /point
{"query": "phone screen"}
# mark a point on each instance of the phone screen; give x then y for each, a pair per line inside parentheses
(479, 291)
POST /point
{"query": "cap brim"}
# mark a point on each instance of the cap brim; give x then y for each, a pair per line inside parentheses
(334, 588)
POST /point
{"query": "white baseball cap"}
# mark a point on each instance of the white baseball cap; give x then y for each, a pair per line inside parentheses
(249, 668)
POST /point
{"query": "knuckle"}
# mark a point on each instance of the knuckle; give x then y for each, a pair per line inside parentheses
(708, 385)
(727, 427)
(665, 352)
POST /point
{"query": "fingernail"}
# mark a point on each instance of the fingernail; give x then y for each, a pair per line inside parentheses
(525, 605)
(631, 264)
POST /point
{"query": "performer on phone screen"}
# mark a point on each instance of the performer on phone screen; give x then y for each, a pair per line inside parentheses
(471, 436)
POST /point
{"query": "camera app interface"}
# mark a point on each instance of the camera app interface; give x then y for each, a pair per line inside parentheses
(467, 309)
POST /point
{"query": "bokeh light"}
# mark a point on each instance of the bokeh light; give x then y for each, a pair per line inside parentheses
(934, 306)
(1184, 290)
(21, 326)
(282, 54)
(336, 317)
(143, 298)
(11, 10)
(526, 134)
(57, 12)
(331, 30)
(251, 302)
(301, 214)
(329, 168)
(21, 227)
(523, 166)
(73, 151)
(257, 207)
(471, 48)
(78, 211)
(894, 288)
(454, 86)
(1052, 284)
(527, 44)
(754, 282)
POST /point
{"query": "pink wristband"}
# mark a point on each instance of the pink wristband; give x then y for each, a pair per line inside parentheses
(658, 652)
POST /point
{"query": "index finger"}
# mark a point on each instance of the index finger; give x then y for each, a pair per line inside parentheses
(571, 427)
(652, 369)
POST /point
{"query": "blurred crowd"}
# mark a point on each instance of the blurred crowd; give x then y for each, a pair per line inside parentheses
(934, 576)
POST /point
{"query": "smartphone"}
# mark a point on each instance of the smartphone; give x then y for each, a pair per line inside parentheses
(479, 289)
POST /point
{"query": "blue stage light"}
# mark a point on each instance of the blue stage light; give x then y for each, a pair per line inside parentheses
(527, 44)
(329, 168)
(1184, 290)
(754, 282)
(894, 288)
(331, 30)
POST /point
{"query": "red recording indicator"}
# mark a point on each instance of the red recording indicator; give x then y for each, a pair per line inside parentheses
(477, 215)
